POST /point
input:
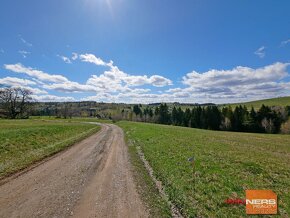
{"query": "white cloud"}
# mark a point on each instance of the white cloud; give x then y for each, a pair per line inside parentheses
(52, 98)
(283, 43)
(159, 81)
(260, 52)
(239, 83)
(155, 80)
(35, 91)
(218, 86)
(115, 80)
(174, 90)
(40, 75)
(25, 42)
(237, 76)
(111, 81)
(114, 77)
(101, 97)
(74, 56)
(114, 85)
(65, 59)
(90, 58)
(24, 53)
(14, 81)
(70, 87)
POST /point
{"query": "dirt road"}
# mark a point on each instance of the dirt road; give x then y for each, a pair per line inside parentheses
(91, 179)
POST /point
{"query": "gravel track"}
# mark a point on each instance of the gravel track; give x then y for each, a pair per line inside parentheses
(91, 179)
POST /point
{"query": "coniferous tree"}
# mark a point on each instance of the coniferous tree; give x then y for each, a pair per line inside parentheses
(237, 124)
(198, 117)
(174, 116)
(179, 116)
(214, 118)
(137, 110)
(203, 118)
(266, 119)
(253, 124)
(193, 118)
(164, 116)
(150, 112)
(186, 118)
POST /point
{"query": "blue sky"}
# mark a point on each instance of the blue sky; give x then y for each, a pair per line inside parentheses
(146, 51)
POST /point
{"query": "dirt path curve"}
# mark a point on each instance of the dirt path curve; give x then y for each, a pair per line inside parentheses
(91, 179)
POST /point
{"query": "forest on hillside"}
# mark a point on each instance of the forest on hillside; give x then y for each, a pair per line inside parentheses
(240, 119)
(266, 119)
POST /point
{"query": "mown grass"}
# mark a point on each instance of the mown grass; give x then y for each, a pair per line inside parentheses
(226, 164)
(23, 142)
(282, 101)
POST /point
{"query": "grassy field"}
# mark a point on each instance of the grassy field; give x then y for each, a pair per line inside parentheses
(283, 101)
(23, 142)
(73, 119)
(226, 164)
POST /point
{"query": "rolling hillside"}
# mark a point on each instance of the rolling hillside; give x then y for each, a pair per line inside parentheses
(281, 101)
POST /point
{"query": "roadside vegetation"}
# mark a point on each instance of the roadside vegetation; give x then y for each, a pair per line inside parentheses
(225, 165)
(155, 204)
(23, 142)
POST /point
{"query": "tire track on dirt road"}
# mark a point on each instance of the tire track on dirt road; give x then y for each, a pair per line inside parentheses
(90, 179)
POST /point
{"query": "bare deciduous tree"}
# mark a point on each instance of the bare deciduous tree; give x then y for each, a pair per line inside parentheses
(14, 102)
(268, 125)
(66, 111)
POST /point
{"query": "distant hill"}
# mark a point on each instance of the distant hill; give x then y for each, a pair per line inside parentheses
(281, 101)
(106, 110)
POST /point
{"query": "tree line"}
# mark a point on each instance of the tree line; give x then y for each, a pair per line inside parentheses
(17, 103)
(240, 119)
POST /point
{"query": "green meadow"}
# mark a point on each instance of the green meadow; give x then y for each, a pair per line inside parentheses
(225, 165)
(23, 142)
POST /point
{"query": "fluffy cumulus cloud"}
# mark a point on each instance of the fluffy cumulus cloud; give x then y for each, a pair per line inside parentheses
(115, 85)
(52, 98)
(69, 87)
(90, 58)
(38, 74)
(35, 91)
(115, 80)
(237, 76)
(238, 83)
(14, 81)
(115, 77)
(107, 85)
